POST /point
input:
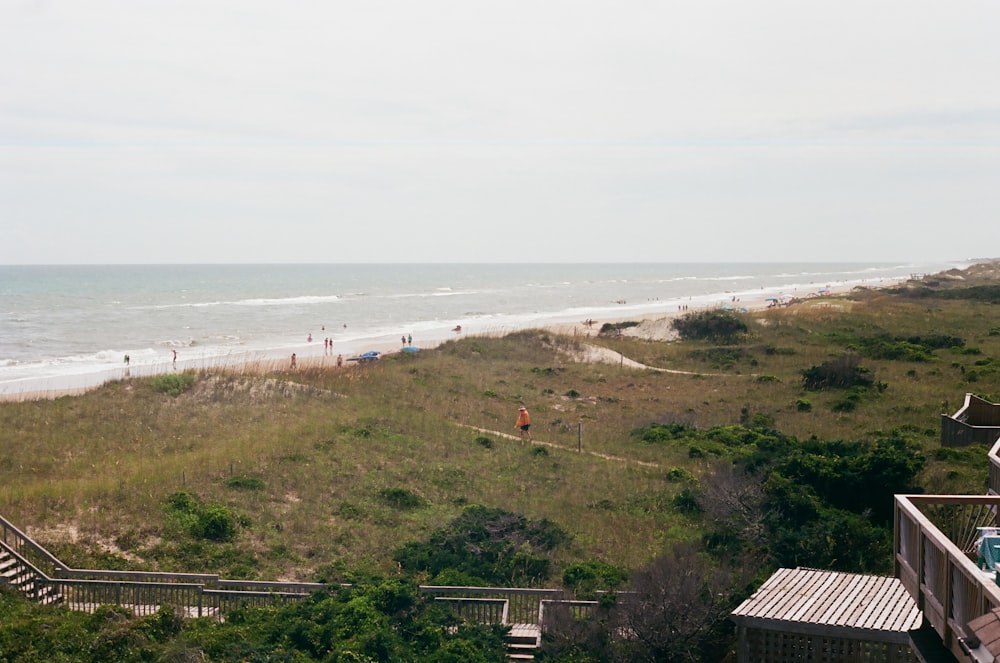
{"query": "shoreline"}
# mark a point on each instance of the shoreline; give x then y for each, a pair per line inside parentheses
(654, 325)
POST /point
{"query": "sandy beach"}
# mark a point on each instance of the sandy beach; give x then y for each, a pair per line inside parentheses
(654, 325)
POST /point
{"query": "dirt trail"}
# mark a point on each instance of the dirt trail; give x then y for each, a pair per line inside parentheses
(508, 436)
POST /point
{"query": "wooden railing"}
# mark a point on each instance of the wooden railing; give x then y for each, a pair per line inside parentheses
(976, 422)
(26, 548)
(207, 595)
(141, 598)
(993, 481)
(566, 609)
(940, 575)
(481, 610)
(522, 602)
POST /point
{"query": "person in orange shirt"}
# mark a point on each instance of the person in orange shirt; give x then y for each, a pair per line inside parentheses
(524, 423)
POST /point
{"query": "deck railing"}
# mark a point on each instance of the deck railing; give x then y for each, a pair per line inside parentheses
(941, 576)
(522, 602)
(481, 610)
(993, 480)
(976, 422)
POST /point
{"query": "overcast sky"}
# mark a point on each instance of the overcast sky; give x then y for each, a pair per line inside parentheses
(187, 131)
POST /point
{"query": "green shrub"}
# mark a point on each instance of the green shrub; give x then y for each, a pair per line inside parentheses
(659, 433)
(719, 326)
(680, 475)
(484, 442)
(401, 498)
(771, 350)
(686, 501)
(767, 378)
(585, 578)
(172, 384)
(493, 545)
(841, 373)
(845, 405)
(615, 327)
(216, 523)
(245, 483)
(803, 405)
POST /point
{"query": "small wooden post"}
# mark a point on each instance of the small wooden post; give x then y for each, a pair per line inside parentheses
(579, 437)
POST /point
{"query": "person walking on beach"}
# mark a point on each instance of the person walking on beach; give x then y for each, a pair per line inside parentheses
(293, 360)
(524, 423)
(340, 360)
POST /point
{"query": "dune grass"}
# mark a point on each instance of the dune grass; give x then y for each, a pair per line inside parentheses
(305, 460)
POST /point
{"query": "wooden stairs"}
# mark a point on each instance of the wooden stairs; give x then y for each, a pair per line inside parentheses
(522, 641)
(24, 578)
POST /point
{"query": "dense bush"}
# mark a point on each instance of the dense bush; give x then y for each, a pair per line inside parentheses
(657, 433)
(492, 545)
(719, 326)
(585, 578)
(214, 522)
(840, 373)
(380, 620)
(897, 350)
(615, 327)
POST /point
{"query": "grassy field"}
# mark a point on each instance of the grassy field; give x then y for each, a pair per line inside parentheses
(330, 470)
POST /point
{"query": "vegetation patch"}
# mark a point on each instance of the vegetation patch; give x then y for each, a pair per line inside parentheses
(172, 384)
(245, 483)
(214, 522)
(723, 358)
(489, 545)
(657, 433)
(401, 498)
(840, 373)
(719, 326)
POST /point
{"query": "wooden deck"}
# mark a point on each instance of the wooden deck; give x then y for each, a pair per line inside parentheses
(832, 603)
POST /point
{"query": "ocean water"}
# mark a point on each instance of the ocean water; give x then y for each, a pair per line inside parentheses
(71, 326)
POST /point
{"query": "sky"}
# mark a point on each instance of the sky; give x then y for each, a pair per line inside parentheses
(249, 131)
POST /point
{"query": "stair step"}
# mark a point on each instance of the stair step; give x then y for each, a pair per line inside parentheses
(21, 579)
(51, 599)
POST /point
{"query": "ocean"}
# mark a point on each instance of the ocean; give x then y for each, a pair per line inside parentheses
(70, 326)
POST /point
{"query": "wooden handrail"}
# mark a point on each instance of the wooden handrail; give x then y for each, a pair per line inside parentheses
(946, 585)
(21, 543)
